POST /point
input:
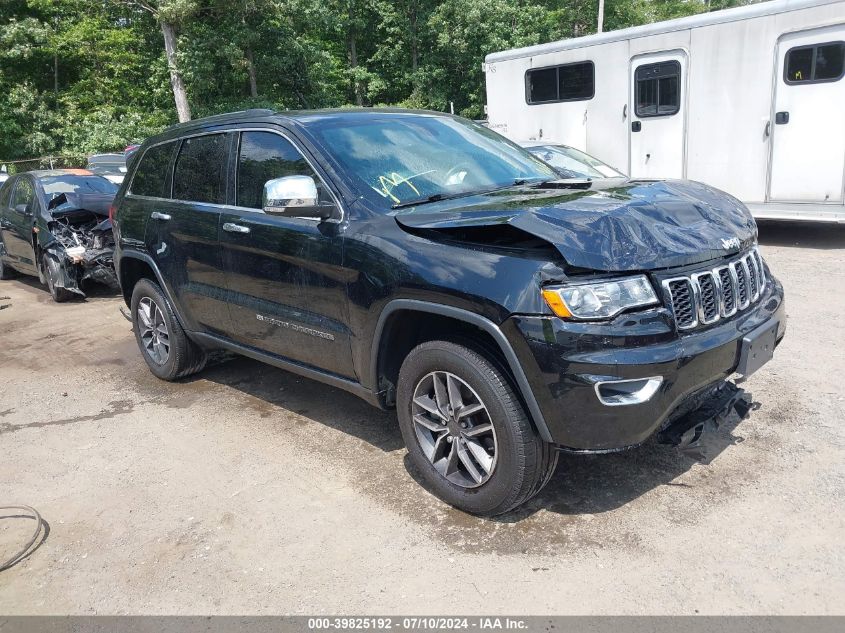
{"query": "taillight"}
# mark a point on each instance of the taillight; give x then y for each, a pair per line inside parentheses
(112, 209)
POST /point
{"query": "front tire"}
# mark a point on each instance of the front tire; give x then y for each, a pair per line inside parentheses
(51, 269)
(466, 431)
(167, 350)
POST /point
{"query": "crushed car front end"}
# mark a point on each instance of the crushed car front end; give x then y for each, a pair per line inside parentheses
(76, 234)
(611, 384)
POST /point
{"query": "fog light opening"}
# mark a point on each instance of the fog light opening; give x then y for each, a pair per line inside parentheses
(615, 393)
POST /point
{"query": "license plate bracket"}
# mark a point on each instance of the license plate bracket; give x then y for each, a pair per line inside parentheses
(757, 348)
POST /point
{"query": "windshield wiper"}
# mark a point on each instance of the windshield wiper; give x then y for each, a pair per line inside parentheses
(437, 197)
(564, 183)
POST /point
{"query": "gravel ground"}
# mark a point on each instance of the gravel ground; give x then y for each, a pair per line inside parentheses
(247, 489)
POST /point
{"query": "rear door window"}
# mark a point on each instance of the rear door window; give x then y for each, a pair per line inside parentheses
(658, 89)
(200, 171)
(151, 176)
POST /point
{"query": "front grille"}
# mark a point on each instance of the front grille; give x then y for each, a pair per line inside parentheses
(726, 281)
(707, 296)
(683, 305)
(708, 299)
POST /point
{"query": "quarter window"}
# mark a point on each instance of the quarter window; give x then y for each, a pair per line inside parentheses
(569, 82)
(151, 176)
(264, 156)
(200, 171)
(815, 64)
(658, 89)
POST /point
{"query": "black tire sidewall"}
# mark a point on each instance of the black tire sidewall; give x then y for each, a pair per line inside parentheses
(145, 288)
(510, 429)
(60, 295)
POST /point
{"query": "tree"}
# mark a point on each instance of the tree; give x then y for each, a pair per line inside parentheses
(170, 15)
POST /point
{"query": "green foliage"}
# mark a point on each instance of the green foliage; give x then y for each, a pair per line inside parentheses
(83, 76)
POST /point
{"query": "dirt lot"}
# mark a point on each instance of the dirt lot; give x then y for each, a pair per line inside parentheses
(249, 490)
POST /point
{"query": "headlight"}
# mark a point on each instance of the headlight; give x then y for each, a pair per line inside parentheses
(600, 300)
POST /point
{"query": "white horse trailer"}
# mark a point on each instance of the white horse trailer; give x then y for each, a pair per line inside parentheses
(750, 100)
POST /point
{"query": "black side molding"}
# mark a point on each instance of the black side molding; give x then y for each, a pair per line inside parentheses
(479, 321)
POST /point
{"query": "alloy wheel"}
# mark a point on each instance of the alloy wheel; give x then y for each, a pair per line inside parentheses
(454, 429)
(155, 336)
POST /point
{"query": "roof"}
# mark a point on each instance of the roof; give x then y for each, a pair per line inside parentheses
(266, 115)
(52, 173)
(758, 9)
(106, 158)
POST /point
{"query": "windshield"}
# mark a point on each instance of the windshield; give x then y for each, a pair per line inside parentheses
(57, 185)
(573, 160)
(395, 158)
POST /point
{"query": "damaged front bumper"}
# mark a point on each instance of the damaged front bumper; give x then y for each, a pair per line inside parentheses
(80, 253)
(692, 429)
(603, 387)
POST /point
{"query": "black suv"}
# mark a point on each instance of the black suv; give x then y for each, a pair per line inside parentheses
(426, 263)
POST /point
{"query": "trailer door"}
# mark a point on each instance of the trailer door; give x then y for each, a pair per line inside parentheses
(807, 126)
(658, 115)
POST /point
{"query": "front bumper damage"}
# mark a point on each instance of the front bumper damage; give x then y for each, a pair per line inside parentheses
(692, 429)
(582, 374)
(80, 244)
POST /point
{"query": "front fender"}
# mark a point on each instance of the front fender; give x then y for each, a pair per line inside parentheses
(476, 320)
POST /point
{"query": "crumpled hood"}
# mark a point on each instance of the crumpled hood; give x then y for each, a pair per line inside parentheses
(615, 225)
(68, 202)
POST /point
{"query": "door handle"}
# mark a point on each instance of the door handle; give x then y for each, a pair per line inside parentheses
(235, 228)
(781, 118)
(155, 215)
(624, 111)
(767, 132)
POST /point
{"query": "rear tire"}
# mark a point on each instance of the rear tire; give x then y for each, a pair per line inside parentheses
(50, 266)
(515, 463)
(167, 350)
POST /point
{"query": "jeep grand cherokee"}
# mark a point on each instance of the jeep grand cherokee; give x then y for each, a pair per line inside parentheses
(425, 263)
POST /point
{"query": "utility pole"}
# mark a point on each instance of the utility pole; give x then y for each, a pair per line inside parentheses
(601, 17)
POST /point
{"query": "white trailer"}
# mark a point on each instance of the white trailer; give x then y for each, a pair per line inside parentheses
(750, 100)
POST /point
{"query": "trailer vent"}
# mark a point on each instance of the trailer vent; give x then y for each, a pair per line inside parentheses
(708, 296)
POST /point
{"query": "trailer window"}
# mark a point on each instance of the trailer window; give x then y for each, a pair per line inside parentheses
(568, 82)
(658, 89)
(815, 64)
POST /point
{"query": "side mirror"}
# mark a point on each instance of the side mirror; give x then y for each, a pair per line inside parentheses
(23, 209)
(294, 197)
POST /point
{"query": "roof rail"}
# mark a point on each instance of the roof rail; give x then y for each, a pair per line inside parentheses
(225, 115)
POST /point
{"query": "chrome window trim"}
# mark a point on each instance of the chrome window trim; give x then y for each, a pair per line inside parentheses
(227, 130)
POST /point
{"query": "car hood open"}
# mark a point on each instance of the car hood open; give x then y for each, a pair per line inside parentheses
(615, 225)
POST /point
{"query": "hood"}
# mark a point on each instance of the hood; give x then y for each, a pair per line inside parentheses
(67, 202)
(615, 225)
